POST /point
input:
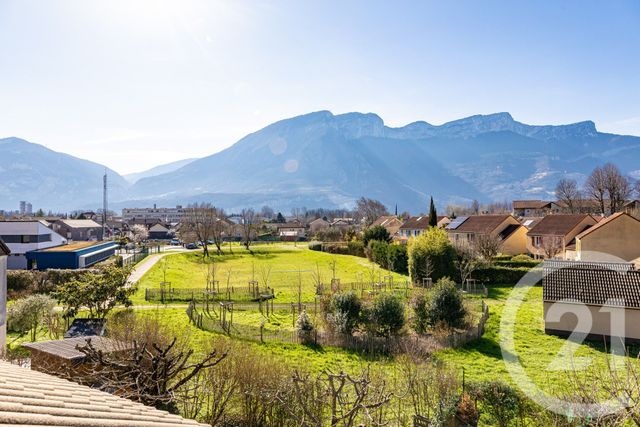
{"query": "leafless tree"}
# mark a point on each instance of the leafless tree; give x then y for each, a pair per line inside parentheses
(200, 221)
(267, 212)
(467, 260)
(488, 246)
(551, 246)
(618, 186)
(369, 210)
(248, 222)
(596, 187)
(475, 207)
(568, 193)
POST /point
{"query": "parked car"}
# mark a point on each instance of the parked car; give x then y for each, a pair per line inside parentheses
(191, 246)
(175, 242)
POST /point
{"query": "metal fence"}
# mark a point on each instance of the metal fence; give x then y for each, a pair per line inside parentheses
(166, 294)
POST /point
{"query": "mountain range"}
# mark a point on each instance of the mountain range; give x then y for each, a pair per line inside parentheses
(322, 159)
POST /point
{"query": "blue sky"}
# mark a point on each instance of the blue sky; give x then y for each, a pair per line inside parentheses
(133, 84)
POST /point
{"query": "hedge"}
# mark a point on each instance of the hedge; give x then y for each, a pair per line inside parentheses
(511, 263)
(498, 274)
(355, 248)
(26, 282)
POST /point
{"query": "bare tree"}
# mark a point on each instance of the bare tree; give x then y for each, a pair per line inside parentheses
(596, 187)
(618, 187)
(369, 210)
(248, 221)
(568, 193)
(475, 207)
(200, 221)
(488, 246)
(467, 260)
(551, 246)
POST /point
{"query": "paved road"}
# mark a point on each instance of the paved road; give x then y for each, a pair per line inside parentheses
(145, 265)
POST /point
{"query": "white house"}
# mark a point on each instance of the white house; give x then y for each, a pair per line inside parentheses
(25, 236)
(4, 253)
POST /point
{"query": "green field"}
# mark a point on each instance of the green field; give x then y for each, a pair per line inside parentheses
(286, 266)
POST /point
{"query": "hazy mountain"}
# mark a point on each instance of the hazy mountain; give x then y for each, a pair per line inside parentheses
(158, 170)
(321, 158)
(51, 180)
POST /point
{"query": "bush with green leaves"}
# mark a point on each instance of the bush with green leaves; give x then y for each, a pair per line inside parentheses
(521, 258)
(431, 255)
(98, 291)
(344, 312)
(378, 233)
(305, 327)
(378, 252)
(420, 306)
(27, 314)
(386, 315)
(446, 305)
(503, 404)
(397, 258)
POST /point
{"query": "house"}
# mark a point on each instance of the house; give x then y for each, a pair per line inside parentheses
(78, 229)
(390, 222)
(72, 256)
(4, 253)
(343, 224)
(614, 239)
(554, 235)
(154, 214)
(416, 225)
(34, 398)
(159, 232)
(317, 225)
(291, 231)
(534, 207)
(26, 236)
(529, 221)
(587, 297)
(632, 206)
(467, 229)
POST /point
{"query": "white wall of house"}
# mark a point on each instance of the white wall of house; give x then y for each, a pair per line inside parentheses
(25, 236)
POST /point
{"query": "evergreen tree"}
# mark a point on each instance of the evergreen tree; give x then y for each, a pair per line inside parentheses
(433, 216)
(280, 218)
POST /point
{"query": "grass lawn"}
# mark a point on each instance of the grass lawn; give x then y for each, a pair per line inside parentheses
(482, 359)
(187, 270)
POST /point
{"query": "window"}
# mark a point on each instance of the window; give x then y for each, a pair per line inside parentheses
(537, 241)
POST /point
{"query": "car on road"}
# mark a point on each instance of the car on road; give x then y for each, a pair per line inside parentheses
(191, 246)
(175, 242)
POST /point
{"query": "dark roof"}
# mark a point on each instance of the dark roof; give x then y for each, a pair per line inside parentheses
(595, 283)
(606, 221)
(4, 250)
(66, 348)
(557, 225)
(531, 204)
(86, 328)
(290, 225)
(416, 223)
(530, 221)
(481, 224)
(34, 398)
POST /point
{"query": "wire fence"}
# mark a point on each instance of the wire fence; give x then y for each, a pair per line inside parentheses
(167, 293)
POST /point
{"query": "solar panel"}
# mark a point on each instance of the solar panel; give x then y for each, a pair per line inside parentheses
(456, 222)
(527, 222)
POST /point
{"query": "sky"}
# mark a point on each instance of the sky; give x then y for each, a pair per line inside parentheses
(134, 84)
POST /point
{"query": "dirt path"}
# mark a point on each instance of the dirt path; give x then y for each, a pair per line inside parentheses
(145, 265)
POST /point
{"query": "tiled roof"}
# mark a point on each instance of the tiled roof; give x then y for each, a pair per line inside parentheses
(557, 225)
(416, 223)
(66, 348)
(593, 283)
(481, 224)
(604, 222)
(385, 219)
(33, 398)
(4, 250)
(531, 204)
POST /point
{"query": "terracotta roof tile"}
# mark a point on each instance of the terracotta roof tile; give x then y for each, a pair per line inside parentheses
(557, 225)
(481, 224)
(33, 398)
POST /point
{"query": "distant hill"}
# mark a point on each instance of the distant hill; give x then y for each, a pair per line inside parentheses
(158, 170)
(51, 180)
(322, 159)
(325, 159)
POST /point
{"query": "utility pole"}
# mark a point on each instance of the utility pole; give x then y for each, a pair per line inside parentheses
(104, 204)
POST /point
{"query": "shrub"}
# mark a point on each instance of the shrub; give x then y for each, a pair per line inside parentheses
(446, 305)
(499, 274)
(397, 258)
(304, 327)
(420, 305)
(345, 309)
(386, 316)
(432, 249)
(500, 401)
(355, 248)
(28, 314)
(27, 282)
(375, 233)
(521, 258)
(379, 252)
(315, 246)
